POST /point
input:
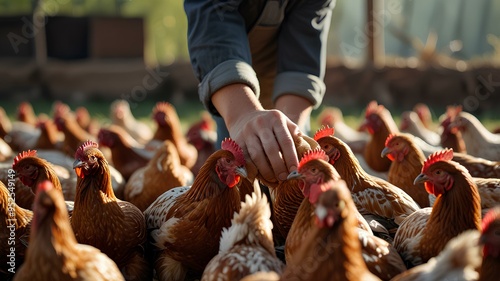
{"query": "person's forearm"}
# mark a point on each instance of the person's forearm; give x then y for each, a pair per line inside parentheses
(297, 108)
(234, 100)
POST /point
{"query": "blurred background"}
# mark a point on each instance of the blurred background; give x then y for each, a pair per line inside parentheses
(398, 52)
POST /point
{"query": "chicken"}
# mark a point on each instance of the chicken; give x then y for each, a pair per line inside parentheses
(54, 253)
(206, 207)
(74, 135)
(287, 199)
(32, 170)
(479, 141)
(262, 276)
(15, 224)
(332, 250)
(202, 136)
(5, 123)
(458, 261)
(424, 114)
(22, 136)
(477, 166)
(372, 196)
(313, 170)
(169, 128)
(50, 137)
(246, 247)
(407, 161)
(333, 117)
(115, 227)
(26, 114)
(457, 208)
(317, 175)
(451, 137)
(5, 151)
(491, 245)
(411, 124)
(128, 155)
(122, 116)
(162, 173)
(89, 124)
(18, 135)
(489, 191)
(379, 123)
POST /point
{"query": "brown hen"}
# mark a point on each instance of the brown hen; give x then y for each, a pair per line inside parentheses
(185, 223)
(115, 227)
(379, 123)
(373, 197)
(162, 173)
(316, 176)
(331, 251)
(457, 208)
(451, 137)
(127, 155)
(74, 135)
(168, 127)
(490, 239)
(407, 161)
(54, 253)
(32, 170)
(15, 224)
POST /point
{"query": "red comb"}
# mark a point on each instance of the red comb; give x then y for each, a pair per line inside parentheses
(84, 146)
(371, 108)
(389, 138)
(162, 106)
(325, 131)
(22, 155)
(442, 155)
(230, 145)
(317, 153)
(453, 111)
(492, 215)
(44, 186)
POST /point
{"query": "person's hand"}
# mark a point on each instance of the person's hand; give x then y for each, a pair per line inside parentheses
(266, 136)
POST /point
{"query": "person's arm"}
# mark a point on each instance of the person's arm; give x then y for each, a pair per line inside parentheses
(221, 58)
(299, 85)
(218, 47)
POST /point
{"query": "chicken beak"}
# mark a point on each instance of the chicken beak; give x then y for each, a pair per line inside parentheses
(242, 172)
(77, 164)
(294, 175)
(385, 151)
(420, 179)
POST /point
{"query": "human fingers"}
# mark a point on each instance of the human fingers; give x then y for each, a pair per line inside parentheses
(257, 154)
(273, 151)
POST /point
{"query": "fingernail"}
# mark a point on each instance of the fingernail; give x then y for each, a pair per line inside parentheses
(293, 168)
(282, 176)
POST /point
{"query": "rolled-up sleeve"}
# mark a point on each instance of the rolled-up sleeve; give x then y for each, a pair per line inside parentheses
(218, 47)
(302, 51)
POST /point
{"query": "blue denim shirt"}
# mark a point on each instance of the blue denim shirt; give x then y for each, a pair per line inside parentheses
(220, 52)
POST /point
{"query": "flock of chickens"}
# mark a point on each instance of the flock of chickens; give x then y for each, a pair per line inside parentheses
(82, 199)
